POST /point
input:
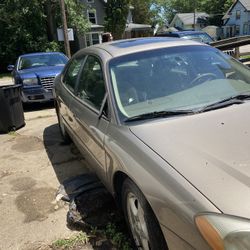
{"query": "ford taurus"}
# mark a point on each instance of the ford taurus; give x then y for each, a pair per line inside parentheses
(165, 124)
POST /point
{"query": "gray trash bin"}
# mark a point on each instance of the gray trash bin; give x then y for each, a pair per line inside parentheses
(11, 108)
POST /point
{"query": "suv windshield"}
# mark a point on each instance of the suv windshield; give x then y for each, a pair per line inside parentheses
(32, 61)
(178, 78)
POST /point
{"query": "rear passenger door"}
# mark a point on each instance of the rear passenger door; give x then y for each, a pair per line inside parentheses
(89, 125)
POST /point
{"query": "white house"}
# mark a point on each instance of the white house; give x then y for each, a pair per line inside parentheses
(188, 21)
(237, 19)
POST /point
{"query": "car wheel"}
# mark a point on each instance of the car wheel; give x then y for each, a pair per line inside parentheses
(141, 220)
(64, 133)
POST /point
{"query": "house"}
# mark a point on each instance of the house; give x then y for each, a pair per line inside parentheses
(96, 15)
(189, 21)
(133, 30)
(237, 19)
(214, 31)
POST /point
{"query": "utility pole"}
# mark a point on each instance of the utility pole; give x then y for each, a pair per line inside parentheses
(65, 28)
(194, 13)
(194, 19)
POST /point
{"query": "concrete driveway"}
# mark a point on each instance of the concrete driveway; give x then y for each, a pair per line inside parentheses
(33, 162)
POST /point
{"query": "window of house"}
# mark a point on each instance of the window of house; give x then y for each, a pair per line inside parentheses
(91, 87)
(237, 30)
(92, 16)
(245, 28)
(227, 32)
(237, 14)
(93, 38)
(71, 74)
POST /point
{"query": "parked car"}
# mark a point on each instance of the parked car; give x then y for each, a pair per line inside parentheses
(165, 125)
(36, 73)
(199, 36)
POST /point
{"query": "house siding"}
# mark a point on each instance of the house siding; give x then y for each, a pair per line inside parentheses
(99, 7)
(95, 32)
(178, 22)
(234, 26)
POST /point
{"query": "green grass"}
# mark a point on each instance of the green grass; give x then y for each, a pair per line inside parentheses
(13, 133)
(116, 237)
(78, 239)
(245, 57)
(3, 75)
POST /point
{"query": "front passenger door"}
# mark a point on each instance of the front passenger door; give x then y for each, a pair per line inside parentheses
(86, 106)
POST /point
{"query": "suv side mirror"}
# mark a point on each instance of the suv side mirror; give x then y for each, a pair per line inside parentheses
(10, 67)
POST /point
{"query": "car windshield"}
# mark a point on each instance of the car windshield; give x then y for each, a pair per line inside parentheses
(175, 79)
(201, 37)
(32, 61)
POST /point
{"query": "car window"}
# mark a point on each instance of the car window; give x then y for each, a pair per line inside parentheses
(181, 78)
(71, 74)
(91, 87)
(201, 37)
(42, 60)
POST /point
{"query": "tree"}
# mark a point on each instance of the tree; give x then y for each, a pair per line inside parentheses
(21, 28)
(216, 8)
(142, 12)
(30, 26)
(116, 16)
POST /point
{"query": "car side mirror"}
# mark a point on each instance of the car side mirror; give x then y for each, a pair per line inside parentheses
(10, 67)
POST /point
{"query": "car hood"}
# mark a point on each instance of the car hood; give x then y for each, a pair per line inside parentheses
(211, 150)
(40, 72)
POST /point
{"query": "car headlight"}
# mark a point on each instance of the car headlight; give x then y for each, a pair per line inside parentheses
(30, 81)
(224, 232)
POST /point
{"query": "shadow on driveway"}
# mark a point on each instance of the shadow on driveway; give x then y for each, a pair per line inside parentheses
(36, 106)
(94, 208)
(65, 159)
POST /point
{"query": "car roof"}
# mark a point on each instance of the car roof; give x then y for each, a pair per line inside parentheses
(181, 33)
(130, 46)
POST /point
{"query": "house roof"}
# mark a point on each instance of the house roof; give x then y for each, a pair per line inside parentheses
(188, 18)
(137, 26)
(245, 4)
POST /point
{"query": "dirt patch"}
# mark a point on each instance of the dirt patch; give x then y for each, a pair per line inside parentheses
(5, 173)
(22, 184)
(36, 246)
(27, 144)
(6, 157)
(37, 204)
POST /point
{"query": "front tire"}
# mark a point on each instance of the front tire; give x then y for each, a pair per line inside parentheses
(141, 220)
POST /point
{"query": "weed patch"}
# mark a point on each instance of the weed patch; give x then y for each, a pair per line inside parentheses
(79, 239)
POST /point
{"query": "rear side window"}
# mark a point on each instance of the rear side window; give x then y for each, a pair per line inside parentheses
(71, 74)
(91, 87)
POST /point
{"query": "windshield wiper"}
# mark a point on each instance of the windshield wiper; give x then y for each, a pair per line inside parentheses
(158, 114)
(237, 99)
